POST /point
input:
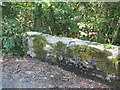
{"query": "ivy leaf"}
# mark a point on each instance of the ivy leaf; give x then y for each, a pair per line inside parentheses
(108, 46)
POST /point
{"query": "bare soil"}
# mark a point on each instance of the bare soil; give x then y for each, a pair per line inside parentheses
(32, 73)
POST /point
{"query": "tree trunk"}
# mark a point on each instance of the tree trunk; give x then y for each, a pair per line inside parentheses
(37, 17)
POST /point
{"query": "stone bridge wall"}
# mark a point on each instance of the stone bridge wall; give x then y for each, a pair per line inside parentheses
(81, 55)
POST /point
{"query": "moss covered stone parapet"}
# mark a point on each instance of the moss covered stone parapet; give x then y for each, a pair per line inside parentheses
(80, 54)
(84, 52)
(52, 49)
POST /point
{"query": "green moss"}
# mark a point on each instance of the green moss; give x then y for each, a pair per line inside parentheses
(83, 51)
(25, 34)
(38, 43)
(118, 57)
(111, 65)
(60, 47)
(114, 63)
(107, 53)
(86, 53)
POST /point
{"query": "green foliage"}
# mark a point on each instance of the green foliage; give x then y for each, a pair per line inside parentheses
(13, 41)
(98, 22)
(14, 45)
(108, 45)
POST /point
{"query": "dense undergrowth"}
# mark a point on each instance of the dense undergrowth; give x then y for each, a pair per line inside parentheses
(97, 22)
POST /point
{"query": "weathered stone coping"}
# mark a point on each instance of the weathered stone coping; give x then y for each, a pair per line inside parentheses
(69, 42)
